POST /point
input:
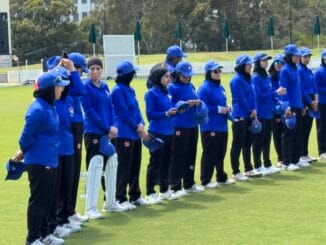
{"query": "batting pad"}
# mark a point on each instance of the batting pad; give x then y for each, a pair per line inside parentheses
(110, 176)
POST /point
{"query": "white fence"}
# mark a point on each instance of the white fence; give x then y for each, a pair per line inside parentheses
(20, 77)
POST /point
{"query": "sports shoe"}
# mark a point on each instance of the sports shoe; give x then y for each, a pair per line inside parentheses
(140, 202)
(227, 182)
(61, 232)
(37, 242)
(308, 159)
(94, 214)
(116, 207)
(128, 205)
(73, 222)
(72, 227)
(279, 165)
(302, 164)
(52, 240)
(169, 195)
(153, 199)
(210, 185)
(322, 156)
(272, 170)
(291, 167)
(181, 193)
(78, 217)
(252, 174)
(195, 189)
(240, 177)
(261, 170)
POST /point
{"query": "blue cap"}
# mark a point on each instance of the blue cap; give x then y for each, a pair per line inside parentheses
(175, 51)
(153, 143)
(50, 79)
(292, 49)
(261, 56)
(289, 121)
(125, 67)
(279, 57)
(181, 105)
(212, 65)
(78, 60)
(184, 68)
(314, 114)
(15, 169)
(106, 147)
(202, 113)
(243, 59)
(323, 54)
(281, 107)
(60, 71)
(53, 62)
(305, 51)
(255, 127)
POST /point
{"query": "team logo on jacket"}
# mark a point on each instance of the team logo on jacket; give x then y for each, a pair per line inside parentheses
(71, 111)
(127, 144)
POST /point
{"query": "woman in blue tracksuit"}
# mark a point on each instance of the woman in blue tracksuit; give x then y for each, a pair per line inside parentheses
(320, 79)
(310, 100)
(39, 145)
(291, 138)
(243, 112)
(277, 126)
(130, 124)
(214, 134)
(159, 112)
(185, 137)
(265, 97)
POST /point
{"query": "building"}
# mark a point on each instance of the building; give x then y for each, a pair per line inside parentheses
(84, 8)
(5, 34)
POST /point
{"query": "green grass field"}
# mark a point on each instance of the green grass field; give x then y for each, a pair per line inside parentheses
(287, 208)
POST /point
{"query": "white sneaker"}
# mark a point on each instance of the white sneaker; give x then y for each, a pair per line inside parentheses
(195, 189)
(227, 182)
(308, 159)
(272, 170)
(211, 185)
(72, 227)
(128, 205)
(141, 202)
(78, 217)
(322, 156)
(169, 195)
(52, 240)
(292, 167)
(37, 242)
(153, 199)
(279, 165)
(181, 193)
(261, 170)
(302, 164)
(252, 174)
(74, 222)
(61, 232)
(94, 214)
(116, 207)
(240, 177)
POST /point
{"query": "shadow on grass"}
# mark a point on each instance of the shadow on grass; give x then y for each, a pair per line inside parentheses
(89, 233)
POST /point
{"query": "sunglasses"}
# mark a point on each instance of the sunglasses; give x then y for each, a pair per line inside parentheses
(278, 62)
(217, 71)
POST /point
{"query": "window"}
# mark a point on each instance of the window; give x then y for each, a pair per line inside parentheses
(76, 1)
(84, 1)
(76, 17)
(84, 14)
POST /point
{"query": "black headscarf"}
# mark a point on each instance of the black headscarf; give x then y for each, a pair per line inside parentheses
(156, 76)
(323, 63)
(288, 60)
(260, 70)
(208, 77)
(46, 94)
(241, 70)
(125, 79)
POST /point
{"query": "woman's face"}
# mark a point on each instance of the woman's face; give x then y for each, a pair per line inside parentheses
(184, 79)
(216, 74)
(95, 72)
(165, 80)
(264, 64)
(295, 59)
(278, 66)
(305, 59)
(248, 68)
(58, 91)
